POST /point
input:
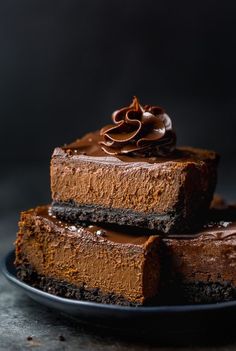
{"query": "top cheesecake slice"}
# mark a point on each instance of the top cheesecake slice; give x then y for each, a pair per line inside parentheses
(171, 194)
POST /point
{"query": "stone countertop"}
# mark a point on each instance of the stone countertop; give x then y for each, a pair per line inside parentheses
(26, 325)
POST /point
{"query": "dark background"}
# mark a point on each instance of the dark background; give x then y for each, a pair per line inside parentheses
(66, 65)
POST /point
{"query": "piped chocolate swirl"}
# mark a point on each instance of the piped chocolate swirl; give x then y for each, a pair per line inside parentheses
(143, 130)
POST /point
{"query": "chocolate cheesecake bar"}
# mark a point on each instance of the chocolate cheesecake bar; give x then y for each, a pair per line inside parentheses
(87, 263)
(131, 173)
(201, 268)
(128, 266)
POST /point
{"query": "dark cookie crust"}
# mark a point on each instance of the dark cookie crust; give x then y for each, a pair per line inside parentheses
(197, 293)
(209, 292)
(185, 293)
(167, 223)
(63, 289)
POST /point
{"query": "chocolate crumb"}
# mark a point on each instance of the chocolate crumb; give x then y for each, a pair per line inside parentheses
(72, 228)
(100, 232)
(29, 338)
(62, 338)
(225, 224)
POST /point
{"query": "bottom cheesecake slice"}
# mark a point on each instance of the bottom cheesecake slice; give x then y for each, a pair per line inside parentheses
(201, 267)
(123, 266)
(86, 262)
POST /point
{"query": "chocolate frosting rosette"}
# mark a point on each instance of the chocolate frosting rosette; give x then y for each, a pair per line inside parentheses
(143, 130)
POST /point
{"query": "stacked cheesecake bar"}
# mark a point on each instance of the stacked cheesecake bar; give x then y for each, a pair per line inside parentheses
(130, 222)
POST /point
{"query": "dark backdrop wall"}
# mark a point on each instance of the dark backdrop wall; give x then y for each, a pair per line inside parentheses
(66, 65)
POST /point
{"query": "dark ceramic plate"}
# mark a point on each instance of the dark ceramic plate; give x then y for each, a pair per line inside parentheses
(163, 322)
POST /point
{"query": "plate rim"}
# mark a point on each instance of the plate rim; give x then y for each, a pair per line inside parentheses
(8, 258)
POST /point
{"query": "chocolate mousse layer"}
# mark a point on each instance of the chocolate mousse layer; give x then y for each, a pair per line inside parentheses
(88, 263)
(171, 194)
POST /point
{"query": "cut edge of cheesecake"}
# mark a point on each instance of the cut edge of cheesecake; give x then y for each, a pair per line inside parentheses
(170, 194)
(84, 263)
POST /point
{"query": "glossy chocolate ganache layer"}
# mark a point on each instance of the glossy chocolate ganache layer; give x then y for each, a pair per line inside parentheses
(89, 146)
